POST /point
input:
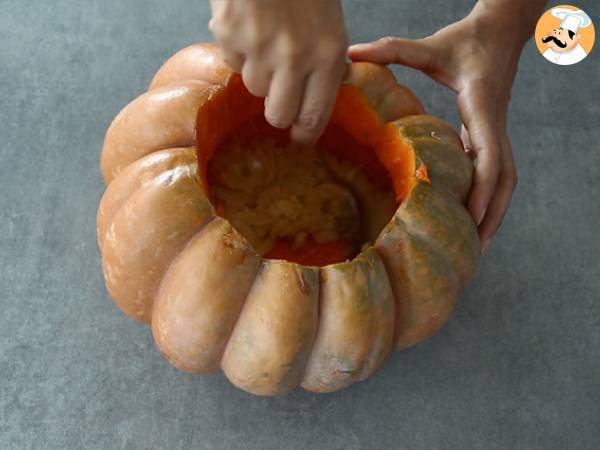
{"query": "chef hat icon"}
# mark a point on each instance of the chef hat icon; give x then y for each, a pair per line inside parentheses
(572, 20)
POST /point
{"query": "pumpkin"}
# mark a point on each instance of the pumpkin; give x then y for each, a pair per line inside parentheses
(272, 324)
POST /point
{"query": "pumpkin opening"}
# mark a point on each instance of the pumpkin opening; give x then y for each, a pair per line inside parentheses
(313, 206)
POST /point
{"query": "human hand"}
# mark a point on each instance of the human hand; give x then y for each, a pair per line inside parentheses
(291, 52)
(477, 57)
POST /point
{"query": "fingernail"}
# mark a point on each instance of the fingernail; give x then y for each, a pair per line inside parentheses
(481, 216)
(356, 47)
(484, 246)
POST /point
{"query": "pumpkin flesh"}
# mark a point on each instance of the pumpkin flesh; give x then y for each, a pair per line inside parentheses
(356, 135)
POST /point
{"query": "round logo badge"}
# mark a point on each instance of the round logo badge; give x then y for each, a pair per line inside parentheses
(565, 35)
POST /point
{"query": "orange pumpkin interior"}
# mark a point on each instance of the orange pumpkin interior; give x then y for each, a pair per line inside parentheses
(355, 133)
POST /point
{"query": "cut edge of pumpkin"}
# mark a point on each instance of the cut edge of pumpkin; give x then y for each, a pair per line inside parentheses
(230, 109)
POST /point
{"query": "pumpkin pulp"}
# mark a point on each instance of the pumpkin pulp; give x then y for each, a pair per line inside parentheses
(355, 134)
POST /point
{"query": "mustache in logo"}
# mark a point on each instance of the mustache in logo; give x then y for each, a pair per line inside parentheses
(555, 40)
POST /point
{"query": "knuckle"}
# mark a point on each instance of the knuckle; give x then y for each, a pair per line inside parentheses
(310, 122)
(294, 57)
(221, 31)
(256, 44)
(332, 50)
(215, 25)
(389, 40)
(292, 54)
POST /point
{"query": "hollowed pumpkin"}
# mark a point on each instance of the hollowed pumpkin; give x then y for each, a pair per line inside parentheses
(272, 324)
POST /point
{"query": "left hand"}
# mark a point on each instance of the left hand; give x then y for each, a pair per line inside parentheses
(477, 58)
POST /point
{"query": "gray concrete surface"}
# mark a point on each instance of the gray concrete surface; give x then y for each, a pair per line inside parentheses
(517, 367)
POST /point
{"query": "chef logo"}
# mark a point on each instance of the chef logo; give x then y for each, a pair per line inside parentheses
(564, 35)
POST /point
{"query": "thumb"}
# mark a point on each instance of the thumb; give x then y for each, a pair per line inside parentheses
(416, 53)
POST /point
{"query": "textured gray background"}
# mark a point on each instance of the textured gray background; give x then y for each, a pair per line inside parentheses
(517, 367)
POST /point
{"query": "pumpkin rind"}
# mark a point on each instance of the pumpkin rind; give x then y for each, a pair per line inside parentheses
(146, 234)
(430, 247)
(424, 284)
(438, 146)
(202, 61)
(437, 217)
(201, 297)
(135, 176)
(356, 323)
(157, 120)
(272, 325)
(388, 99)
(270, 345)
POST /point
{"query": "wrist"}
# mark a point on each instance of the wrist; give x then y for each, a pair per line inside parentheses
(515, 22)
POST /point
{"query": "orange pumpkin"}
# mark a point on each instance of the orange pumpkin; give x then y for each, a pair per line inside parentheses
(271, 324)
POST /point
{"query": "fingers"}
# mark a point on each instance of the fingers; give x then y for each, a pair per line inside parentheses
(415, 53)
(481, 121)
(234, 60)
(487, 169)
(484, 134)
(256, 78)
(466, 140)
(292, 53)
(505, 186)
(317, 104)
(296, 98)
(284, 99)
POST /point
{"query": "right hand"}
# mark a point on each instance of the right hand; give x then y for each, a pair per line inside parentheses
(291, 52)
